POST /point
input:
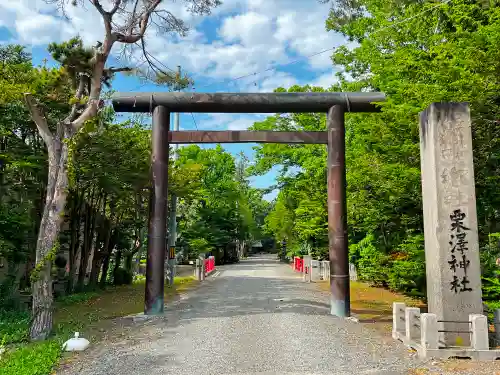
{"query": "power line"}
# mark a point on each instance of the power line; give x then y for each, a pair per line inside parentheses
(194, 121)
(196, 126)
(328, 49)
(148, 54)
(159, 62)
(276, 65)
(271, 68)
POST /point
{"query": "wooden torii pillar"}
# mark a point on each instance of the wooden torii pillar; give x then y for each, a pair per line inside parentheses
(335, 104)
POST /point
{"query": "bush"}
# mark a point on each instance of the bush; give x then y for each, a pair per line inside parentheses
(38, 358)
(491, 288)
(407, 271)
(14, 326)
(371, 263)
(139, 279)
(122, 277)
(34, 359)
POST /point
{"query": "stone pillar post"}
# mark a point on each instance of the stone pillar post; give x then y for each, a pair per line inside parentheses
(450, 221)
(198, 269)
(429, 332)
(202, 262)
(412, 324)
(307, 267)
(398, 319)
(479, 328)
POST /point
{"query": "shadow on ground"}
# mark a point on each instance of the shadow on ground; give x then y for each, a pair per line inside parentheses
(258, 306)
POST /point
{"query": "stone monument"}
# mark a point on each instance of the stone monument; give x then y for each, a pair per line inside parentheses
(450, 220)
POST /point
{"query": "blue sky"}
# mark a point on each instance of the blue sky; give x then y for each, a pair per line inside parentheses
(240, 38)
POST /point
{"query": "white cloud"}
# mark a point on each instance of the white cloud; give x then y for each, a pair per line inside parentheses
(266, 82)
(228, 121)
(252, 35)
(250, 29)
(325, 80)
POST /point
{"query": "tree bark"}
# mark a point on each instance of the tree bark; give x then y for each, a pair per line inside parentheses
(50, 226)
(100, 244)
(98, 253)
(118, 261)
(105, 268)
(110, 244)
(96, 267)
(128, 261)
(74, 237)
(90, 219)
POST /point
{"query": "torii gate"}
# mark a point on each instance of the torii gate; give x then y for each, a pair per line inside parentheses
(335, 104)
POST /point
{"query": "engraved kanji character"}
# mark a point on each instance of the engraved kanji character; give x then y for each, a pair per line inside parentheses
(457, 221)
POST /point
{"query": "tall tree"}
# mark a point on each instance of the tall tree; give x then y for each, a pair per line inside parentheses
(126, 22)
(23, 168)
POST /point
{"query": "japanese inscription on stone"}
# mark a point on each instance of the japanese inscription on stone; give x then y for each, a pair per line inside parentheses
(458, 261)
(454, 173)
(450, 220)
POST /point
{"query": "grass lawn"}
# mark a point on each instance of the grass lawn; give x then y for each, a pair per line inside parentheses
(87, 313)
(374, 305)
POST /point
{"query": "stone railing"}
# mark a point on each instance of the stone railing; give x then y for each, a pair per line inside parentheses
(204, 267)
(422, 331)
(318, 270)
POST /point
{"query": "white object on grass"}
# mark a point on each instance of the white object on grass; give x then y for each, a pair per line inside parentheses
(76, 344)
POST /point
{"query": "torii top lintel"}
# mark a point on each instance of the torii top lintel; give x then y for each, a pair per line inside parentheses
(279, 102)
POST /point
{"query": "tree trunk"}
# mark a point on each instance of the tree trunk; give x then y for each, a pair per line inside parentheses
(105, 268)
(57, 186)
(101, 245)
(84, 250)
(74, 237)
(109, 244)
(50, 226)
(87, 242)
(94, 272)
(128, 261)
(118, 261)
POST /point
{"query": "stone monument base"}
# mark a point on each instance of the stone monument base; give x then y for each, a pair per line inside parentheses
(421, 333)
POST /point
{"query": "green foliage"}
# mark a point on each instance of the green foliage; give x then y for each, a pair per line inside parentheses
(139, 279)
(33, 359)
(48, 259)
(448, 54)
(169, 79)
(76, 298)
(20, 357)
(491, 288)
(73, 56)
(14, 326)
(407, 268)
(200, 245)
(222, 210)
(371, 263)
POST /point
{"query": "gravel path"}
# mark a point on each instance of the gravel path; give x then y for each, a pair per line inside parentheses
(255, 317)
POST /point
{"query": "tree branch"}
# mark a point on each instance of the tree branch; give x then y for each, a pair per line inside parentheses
(84, 80)
(133, 17)
(117, 70)
(143, 24)
(106, 16)
(171, 23)
(95, 88)
(115, 7)
(40, 121)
